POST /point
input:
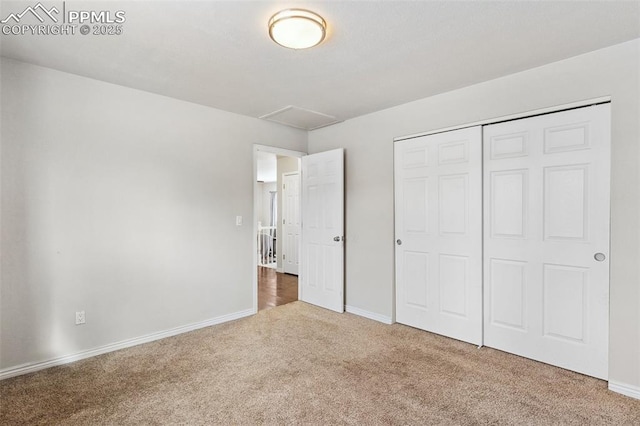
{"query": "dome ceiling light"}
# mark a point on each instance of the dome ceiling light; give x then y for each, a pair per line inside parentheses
(297, 28)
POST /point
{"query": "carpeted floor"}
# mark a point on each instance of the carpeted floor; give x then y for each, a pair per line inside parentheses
(298, 364)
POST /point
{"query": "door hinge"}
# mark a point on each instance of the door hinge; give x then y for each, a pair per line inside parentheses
(284, 256)
(283, 221)
(284, 186)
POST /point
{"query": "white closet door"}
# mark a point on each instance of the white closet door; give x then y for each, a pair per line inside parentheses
(438, 190)
(546, 246)
(291, 222)
(322, 271)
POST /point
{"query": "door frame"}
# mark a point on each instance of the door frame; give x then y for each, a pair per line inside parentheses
(277, 151)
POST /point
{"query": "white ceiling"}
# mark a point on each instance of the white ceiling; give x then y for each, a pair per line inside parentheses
(377, 54)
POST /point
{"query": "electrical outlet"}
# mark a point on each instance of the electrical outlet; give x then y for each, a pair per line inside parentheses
(80, 319)
(238, 220)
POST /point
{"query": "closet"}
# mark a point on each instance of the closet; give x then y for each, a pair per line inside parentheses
(502, 236)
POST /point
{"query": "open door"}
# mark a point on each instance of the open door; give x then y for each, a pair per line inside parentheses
(322, 266)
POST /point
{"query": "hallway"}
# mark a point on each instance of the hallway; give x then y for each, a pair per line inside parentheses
(275, 289)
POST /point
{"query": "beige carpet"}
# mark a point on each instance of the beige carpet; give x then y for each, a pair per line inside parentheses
(298, 364)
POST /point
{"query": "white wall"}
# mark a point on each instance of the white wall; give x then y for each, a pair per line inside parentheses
(285, 165)
(368, 141)
(121, 203)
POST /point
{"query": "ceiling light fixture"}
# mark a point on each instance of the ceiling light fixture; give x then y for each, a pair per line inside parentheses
(297, 28)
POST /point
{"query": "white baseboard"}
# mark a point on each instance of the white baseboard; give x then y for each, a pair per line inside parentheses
(368, 314)
(624, 389)
(36, 366)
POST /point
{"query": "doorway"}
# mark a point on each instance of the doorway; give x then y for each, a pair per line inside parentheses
(276, 226)
(321, 209)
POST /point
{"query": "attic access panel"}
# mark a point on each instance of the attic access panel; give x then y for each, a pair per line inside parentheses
(300, 118)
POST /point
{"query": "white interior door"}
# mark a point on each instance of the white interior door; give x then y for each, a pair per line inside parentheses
(322, 275)
(546, 249)
(291, 222)
(438, 190)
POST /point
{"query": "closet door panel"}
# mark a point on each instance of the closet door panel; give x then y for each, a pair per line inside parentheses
(439, 233)
(546, 208)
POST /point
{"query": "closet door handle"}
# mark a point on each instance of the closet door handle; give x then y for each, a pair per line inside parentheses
(337, 239)
(399, 241)
(599, 257)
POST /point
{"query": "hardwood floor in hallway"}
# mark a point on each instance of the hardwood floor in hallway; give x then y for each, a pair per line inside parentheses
(275, 289)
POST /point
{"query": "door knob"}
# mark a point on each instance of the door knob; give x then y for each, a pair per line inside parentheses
(399, 241)
(336, 239)
(599, 257)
